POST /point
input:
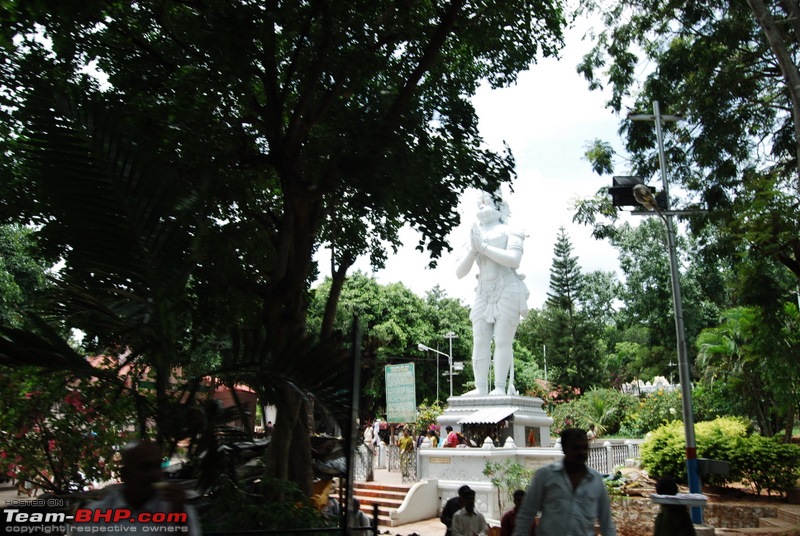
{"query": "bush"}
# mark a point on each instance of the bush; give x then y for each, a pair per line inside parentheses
(766, 463)
(716, 398)
(652, 411)
(718, 440)
(267, 503)
(507, 476)
(664, 450)
(605, 408)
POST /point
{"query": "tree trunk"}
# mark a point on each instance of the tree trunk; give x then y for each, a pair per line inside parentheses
(289, 456)
(787, 438)
(285, 318)
(788, 68)
(338, 277)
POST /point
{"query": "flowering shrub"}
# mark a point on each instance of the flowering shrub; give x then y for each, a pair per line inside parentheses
(59, 433)
(426, 417)
(653, 410)
(558, 404)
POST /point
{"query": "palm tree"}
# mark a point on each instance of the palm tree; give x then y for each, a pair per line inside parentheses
(596, 409)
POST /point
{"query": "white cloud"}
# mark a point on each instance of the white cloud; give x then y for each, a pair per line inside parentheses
(546, 119)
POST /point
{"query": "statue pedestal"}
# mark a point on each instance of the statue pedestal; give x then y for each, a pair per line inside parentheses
(500, 417)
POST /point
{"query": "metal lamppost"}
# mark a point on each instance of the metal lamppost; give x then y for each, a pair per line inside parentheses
(423, 348)
(646, 198)
(450, 335)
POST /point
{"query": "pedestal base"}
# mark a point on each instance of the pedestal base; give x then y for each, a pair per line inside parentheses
(521, 418)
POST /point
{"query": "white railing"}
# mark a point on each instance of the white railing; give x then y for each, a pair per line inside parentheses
(604, 458)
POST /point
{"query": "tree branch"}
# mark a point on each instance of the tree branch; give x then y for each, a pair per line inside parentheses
(427, 61)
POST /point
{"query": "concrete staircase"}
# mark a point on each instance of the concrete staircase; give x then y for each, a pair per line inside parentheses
(787, 518)
(387, 496)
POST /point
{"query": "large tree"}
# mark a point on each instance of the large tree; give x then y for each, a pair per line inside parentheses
(731, 70)
(571, 336)
(23, 272)
(758, 369)
(395, 321)
(275, 128)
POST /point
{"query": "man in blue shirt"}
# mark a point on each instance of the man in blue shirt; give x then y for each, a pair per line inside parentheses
(570, 495)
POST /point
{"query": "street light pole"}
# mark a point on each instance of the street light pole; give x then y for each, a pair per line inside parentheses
(683, 360)
(424, 348)
(450, 335)
(437, 378)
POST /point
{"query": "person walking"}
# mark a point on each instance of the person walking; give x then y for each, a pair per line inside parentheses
(369, 439)
(376, 434)
(570, 495)
(591, 434)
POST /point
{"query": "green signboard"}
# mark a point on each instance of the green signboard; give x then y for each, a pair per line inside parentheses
(401, 393)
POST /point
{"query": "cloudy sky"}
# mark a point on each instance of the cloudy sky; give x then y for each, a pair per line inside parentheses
(547, 119)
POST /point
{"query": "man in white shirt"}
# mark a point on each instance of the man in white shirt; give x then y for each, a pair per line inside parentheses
(569, 495)
(468, 522)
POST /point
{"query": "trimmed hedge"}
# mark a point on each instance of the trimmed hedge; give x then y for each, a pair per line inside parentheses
(762, 463)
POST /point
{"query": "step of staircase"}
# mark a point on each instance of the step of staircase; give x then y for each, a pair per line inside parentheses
(788, 517)
(388, 497)
(790, 513)
(776, 522)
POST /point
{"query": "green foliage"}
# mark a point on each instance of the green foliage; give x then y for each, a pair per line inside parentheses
(22, 272)
(663, 451)
(718, 440)
(266, 504)
(767, 464)
(507, 476)
(605, 408)
(394, 321)
(733, 354)
(572, 337)
(714, 399)
(653, 410)
(60, 432)
(598, 408)
(566, 280)
(426, 417)
(601, 155)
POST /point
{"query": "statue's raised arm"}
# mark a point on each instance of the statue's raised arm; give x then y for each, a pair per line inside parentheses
(500, 297)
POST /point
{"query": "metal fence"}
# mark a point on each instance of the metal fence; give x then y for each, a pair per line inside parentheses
(604, 458)
(363, 464)
(407, 466)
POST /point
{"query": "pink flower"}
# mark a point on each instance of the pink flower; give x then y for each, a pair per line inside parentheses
(73, 398)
